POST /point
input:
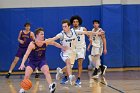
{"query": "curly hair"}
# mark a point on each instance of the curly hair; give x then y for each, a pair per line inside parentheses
(76, 17)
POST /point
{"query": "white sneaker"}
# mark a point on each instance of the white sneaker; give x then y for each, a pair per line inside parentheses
(72, 79)
(52, 87)
(59, 73)
(21, 90)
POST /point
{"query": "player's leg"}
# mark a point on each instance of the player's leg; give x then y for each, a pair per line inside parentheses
(91, 64)
(16, 59)
(97, 63)
(103, 67)
(80, 68)
(20, 53)
(52, 85)
(28, 72)
(96, 59)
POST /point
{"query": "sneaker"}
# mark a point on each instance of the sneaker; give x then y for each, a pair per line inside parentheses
(36, 75)
(64, 80)
(59, 73)
(8, 75)
(52, 87)
(96, 73)
(21, 91)
(72, 79)
(103, 69)
(78, 82)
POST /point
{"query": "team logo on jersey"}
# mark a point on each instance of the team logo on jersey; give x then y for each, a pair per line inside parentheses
(69, 40)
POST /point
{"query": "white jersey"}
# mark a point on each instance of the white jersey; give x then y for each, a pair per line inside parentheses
(80, 38)
(68, 39)
(97, 40)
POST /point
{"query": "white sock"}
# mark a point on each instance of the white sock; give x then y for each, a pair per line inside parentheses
(10, 71)
(70, 76)
(21, 90)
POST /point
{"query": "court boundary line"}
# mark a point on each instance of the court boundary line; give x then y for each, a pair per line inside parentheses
(110, 86)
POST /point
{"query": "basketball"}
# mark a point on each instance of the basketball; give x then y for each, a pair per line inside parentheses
(26, 84)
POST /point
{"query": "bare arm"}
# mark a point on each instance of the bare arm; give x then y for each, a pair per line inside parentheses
(88, 33)
(32, 36)
(19, 40)
(55, 44)
(90, 39)
(30, 48)
(104, 43)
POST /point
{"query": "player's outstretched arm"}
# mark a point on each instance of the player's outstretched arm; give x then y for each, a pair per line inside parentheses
(30, 47)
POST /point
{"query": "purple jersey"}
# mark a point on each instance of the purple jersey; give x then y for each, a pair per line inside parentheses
(38, 53)
(26, 38)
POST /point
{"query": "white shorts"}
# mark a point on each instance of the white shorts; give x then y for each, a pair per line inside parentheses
(68, 55)
(96, 51)
(80, 53)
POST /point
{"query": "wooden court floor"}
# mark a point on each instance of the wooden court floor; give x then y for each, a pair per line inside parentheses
(112, 82)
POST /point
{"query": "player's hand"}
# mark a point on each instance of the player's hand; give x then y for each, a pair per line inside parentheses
(22, 66)
(90, 33)
(105, 51)
(21, 41)
(101, 33)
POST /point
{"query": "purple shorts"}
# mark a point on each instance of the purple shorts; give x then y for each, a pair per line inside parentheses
(21, 52)
(37, 64)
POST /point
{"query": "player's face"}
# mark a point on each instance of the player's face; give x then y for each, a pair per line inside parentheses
(65, 27)
(75, 23)
(96, 25)
(27, 27)
(40, 36)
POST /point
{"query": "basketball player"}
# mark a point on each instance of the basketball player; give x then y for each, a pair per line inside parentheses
(68, 37)
(98, 43)
(76, 21)
(24, 38)
(36, 52)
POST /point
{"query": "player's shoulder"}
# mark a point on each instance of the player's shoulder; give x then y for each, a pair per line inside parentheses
(21, 31)
(32, 44)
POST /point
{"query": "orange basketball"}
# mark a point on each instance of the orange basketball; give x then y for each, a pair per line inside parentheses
(26, 84)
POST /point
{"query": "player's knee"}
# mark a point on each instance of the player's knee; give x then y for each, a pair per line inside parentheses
(68, 62)
(46, 72)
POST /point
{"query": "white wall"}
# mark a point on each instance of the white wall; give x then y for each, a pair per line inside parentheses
(130, 1)
(46, 3)
(111, 1)
(58, 3)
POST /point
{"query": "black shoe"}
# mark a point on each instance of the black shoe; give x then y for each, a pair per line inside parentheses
(36, 75)
(96, 73)
(103, 69)
(8, 75)
(52, 87)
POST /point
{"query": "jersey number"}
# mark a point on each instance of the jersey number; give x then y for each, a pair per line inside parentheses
(78, 37)
(70, 44)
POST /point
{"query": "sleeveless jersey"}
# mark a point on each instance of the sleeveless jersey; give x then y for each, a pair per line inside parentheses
(97, 40)
(38, 53)
(26, 38)
(80, 38)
